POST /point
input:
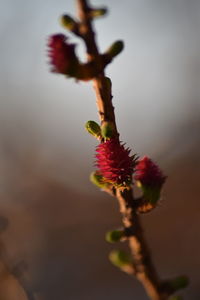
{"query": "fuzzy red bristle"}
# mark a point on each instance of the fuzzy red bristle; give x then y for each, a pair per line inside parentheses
(148, 173)
(114, 162)
(61, 53)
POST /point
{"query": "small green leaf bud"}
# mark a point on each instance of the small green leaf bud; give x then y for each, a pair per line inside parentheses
(115, 49)
(119, 258)
(93, 128)
(68, 22)
(107, 130)
(97, 180)
(179, 283)
(152, 194)
(114, 236)
(99, 12)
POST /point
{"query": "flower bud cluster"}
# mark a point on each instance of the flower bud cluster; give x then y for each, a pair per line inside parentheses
(118, 167)
(148, 173)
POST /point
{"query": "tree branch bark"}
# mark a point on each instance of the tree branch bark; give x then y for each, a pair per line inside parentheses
(143, 266)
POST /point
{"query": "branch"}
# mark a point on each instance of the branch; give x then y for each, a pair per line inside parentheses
(144, 269)
(143, 266)
(102, 84)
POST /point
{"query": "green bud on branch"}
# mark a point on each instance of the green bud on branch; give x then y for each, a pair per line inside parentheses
(68, 22)
(93, 128)
(152, 194)
(119, 258)
(107, 130)
(114, 236)
(97, 180)
(99, 12)
(115, 49)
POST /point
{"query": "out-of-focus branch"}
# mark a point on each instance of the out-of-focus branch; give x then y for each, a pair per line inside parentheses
(14, 274)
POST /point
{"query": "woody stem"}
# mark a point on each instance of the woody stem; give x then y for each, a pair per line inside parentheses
(143, 266)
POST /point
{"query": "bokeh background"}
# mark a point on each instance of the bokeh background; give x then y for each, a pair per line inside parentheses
(52, 220)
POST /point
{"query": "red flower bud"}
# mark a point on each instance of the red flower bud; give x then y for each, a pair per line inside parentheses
(114, 162)
(148, 173)
(62, 54)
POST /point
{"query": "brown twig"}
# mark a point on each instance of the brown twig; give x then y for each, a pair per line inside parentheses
(101, 83)
(143, 267)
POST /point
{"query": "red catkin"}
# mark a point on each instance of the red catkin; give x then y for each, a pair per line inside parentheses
(114, 162)
(61, 53)
(148, 173)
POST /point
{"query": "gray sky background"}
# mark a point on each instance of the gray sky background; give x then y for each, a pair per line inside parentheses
(155, 80)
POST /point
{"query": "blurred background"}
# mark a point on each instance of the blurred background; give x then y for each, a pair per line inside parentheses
(52, 219)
